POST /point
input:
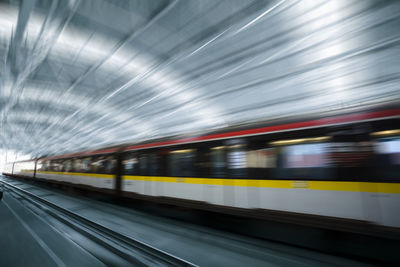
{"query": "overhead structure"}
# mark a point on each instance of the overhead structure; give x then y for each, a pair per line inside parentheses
(85, 74)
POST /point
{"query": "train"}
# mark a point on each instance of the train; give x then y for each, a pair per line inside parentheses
(340, 166)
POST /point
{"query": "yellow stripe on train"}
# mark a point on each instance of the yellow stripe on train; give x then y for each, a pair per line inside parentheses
(388, 188)
(95, 175)
(371, 187)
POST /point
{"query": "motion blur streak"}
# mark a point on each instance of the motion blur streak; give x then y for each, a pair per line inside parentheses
(84, 74)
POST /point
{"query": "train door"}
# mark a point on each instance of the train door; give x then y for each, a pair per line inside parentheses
(352, 159)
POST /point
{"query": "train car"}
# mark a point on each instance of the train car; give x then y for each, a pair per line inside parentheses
(8, 168)
(24, 168)
(94, 169)
(344, 166)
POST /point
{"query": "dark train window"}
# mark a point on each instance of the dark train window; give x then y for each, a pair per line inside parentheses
(153, 165)
(108, 165)
(95, 164)
(162, 162)
(218, 161)
(181, 162)
(203, 162)
(353, 160)
(99, 164)
(131, 164)
(351, 154)
(143, 164)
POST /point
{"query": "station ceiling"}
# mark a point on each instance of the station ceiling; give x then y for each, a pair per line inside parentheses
(91, 73)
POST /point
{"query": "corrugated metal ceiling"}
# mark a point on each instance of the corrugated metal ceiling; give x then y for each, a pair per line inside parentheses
(85, 74)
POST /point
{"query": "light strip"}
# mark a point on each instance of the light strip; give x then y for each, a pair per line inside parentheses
(236, 146)
(182, 151)
(387, 132)
(300, 140)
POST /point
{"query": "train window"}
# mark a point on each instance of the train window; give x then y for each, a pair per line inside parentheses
(55, 166)
(261, 158)
(306, 156)
(261, 162)
(162, 162)
(82, 165)
(130, 164)
(43, 166)
(143, 164)
(49, 167)
(61, 165)
(93, 166)
(181, 162)
(387, 158)
(109, 165)
(153, 164)
(351, 154)
(353, 158)
(77, 165)
(237, 160)
(71, 165)
(203, 162)
(39, 166)
(303, 158)
(99, 165)
(218, 159)
(68, 166)
(391, 148)
(85, 165)
(105, 165)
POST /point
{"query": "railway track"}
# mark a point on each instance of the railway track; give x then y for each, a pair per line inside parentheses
(131, 250)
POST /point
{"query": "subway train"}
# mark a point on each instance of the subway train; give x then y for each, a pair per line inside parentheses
(342, 166)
